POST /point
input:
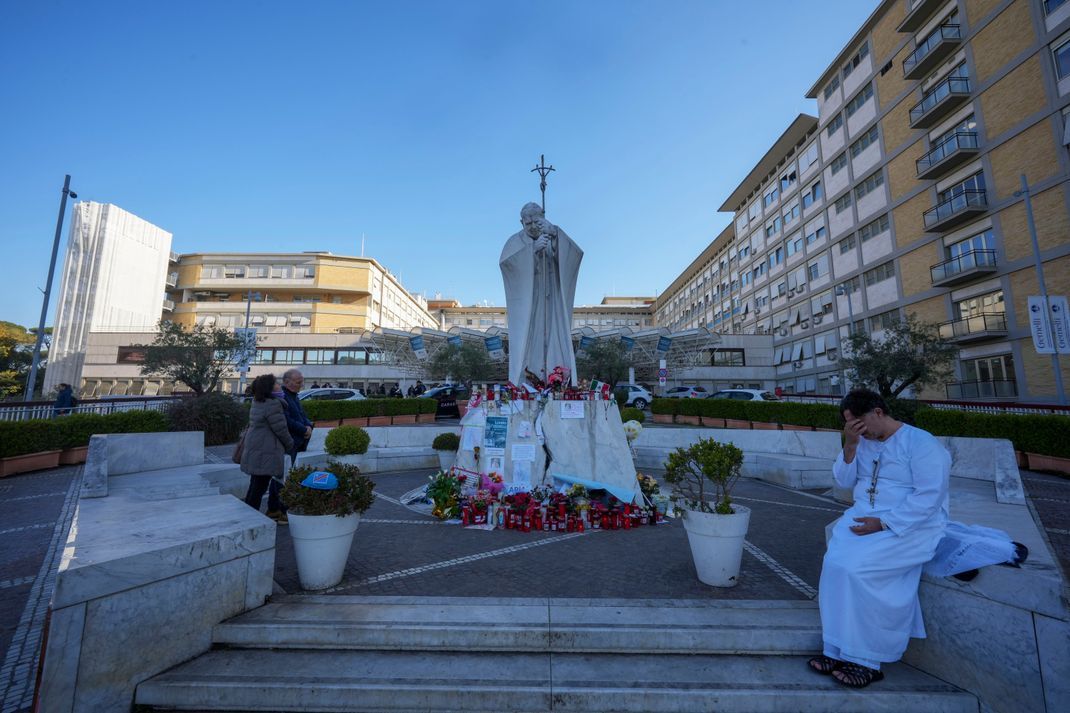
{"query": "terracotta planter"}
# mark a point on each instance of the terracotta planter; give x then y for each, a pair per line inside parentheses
(689, 420)
(1022, 460)
(378, 420)
(362, 422)
(711, 422)
(73, 456)
(736, 423)
(425, 418)
(327, 424)
(1053, 463)
(795, 427)
(29, 462)
(827, 430)
(763, 426)
(404, 420)
(662, 418)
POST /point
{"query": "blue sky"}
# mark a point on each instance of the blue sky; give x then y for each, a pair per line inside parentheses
(282, 126)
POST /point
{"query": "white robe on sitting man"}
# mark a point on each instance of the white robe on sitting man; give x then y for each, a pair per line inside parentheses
(868, 592)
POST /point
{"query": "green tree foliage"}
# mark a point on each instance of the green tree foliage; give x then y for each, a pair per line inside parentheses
(16, 354)
(462, 364)
(911, 353)
(704, 466)
(605, 360)
(198, 357)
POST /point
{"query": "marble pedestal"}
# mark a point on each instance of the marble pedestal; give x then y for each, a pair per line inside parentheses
(591, 447)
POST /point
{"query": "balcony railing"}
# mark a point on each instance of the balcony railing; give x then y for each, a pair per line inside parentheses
(1000, 388)
(956, 209)
(173, 256)
(172, 279)
(963, 267)
(955, 150)
(933, 49)
(919, 12)
(971, 329)
(939, 101)
(169, 305)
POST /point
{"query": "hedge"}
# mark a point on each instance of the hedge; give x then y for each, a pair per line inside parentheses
(364, 408)
(632, 414)
(664, 406)
(1045, 435)
(21, 437)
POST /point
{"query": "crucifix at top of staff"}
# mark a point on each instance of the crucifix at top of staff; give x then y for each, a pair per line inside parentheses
(548, 231)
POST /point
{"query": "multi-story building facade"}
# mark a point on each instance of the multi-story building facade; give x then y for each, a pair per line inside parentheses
(113, 278)
(307, 292)
(903, 196)
(612, 313)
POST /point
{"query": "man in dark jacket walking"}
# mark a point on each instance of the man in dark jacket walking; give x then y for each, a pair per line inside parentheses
(64, 400)
(299, 425)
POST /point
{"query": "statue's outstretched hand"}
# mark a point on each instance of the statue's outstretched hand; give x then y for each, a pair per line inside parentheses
(542, 243)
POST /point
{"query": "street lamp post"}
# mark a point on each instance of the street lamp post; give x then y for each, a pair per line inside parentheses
(31, 381)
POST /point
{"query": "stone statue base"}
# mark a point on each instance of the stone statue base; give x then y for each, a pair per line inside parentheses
(583, 440)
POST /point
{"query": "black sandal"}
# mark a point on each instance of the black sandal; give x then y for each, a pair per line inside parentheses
(1021, 554)
(824, 664)
(856, 676)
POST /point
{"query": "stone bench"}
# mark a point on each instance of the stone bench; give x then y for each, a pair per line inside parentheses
(143, 578)
(795, 459)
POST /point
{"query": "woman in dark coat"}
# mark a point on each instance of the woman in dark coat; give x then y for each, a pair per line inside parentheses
(267, 442)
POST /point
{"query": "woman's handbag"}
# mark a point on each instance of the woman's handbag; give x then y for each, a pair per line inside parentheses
(236, 456)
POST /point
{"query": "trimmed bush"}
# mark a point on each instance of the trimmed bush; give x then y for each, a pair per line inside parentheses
(355, 492)
(74, 431)
(19, 438)
(664, 406)
(1045, 435)
(632, 414)
(347, 440)
(446, 442)
(221, 416)
(689, 407)
(725, 408)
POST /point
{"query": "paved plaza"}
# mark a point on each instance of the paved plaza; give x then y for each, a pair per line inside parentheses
(399, 551)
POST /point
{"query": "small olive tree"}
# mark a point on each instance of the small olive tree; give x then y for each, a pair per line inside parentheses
(464, 363)
(198, 357)
(703, 471)
(605, 360)
(911, 353)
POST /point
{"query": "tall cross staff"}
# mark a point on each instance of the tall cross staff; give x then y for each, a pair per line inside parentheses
(544, 170)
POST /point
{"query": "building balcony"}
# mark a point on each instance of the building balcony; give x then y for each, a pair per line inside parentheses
(999, 389)
(963, 268)
(172, 279)
(173, 256)
(939, 101)
(955, 210)
(168, 305)
(918, 12)
(952, 152)
(989, 325)
(933, 50)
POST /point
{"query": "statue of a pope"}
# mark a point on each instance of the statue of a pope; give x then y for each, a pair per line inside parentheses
(539, 267)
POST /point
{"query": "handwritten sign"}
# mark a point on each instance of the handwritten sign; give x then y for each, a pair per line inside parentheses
(572, 409)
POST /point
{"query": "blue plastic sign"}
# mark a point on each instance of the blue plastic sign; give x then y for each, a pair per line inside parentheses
(586, 342)
(417, 344)
(628, 343)
(495, 348)
(321, 480)
(664, 344)
(454, 340)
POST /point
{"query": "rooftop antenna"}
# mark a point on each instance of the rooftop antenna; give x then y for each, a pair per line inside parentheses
(362, 244)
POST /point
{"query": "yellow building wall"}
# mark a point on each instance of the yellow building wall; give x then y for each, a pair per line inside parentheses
(1001, 40)
(1050, 217)
(1039, 372)
(885, 36)
(342, 277)
(914, 268)
(896, 126)
(1032, 152)
(909, 224)
(1013, 98)
(903, 170)
(892, 83)
(977, 10)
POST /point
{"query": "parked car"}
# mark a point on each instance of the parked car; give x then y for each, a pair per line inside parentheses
(447, 396)
(331, 394)
(745, 395)
(686, 392)
(637, 396)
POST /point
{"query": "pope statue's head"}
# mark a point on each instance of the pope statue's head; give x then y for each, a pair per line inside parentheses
(531, 217)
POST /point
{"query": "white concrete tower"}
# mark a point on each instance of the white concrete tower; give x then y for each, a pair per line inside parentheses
(114, 278)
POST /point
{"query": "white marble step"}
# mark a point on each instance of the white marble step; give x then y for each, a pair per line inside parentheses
(379, 681)
(557, 625)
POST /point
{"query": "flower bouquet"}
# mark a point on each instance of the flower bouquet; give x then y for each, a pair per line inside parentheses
(444, 489)
(492, 482)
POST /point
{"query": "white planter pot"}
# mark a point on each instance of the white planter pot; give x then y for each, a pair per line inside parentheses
(321, 545)
(357, 459)
(717, 544)
(446, 459)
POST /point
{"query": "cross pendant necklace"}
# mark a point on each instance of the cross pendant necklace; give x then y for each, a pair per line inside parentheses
(872, 491)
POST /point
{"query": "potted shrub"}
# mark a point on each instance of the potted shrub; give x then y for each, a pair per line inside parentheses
(735, 414)
(379, 416)
(354, 413)
(347, 444)
(426, 410)
(447, 445)
(27, 446)
(632, 414)
(663, 410)
(323, 521)
(688, 411)
(702, 476)
(402, 411)
(74, 432)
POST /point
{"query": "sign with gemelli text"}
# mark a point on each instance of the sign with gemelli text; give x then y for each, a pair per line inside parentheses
(495, 348)
(664, 344)
(1039, 325)
(417, 344)
(1060, 323)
